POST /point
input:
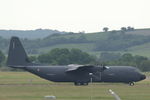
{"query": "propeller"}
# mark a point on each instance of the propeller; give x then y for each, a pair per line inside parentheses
(97, 74)
(104, 67)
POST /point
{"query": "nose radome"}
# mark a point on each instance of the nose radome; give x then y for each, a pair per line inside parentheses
(143, 77)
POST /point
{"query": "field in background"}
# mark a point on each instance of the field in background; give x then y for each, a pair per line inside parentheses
(142, 50)
(25, 86)
(88, 47)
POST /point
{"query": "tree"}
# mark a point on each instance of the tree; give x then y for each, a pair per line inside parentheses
(105, 29)
(139, 59)
(113, 31)
(123, 29)
(44, 58)
(2, 57)
(65, 56)
(145, 65)
(106, 56)
(33, 59)
(127, 57)
(80, 57)
(129, 28)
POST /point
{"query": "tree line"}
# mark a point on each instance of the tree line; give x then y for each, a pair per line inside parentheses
(123, 29)
(127, 59)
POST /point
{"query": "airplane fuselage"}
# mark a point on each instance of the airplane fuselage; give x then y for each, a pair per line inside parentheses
(124, 74)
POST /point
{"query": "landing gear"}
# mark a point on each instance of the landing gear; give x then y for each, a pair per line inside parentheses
(85, 83)
(80, 83)
(131, 83)
(76, 83)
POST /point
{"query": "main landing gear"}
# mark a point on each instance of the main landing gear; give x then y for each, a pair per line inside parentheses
(80, 83)
(131, 83)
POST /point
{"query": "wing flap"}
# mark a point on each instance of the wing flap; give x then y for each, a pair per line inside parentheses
(79, 68)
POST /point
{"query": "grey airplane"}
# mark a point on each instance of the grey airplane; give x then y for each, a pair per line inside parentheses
(79, 74)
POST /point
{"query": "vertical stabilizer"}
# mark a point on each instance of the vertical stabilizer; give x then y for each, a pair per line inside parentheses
(17, 56)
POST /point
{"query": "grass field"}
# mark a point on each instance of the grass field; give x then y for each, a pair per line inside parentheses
(25, 86)
(143, 50)
(88, 47)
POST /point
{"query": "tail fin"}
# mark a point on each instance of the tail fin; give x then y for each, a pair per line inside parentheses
(17, 56)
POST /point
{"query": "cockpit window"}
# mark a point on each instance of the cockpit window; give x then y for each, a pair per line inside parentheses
(137, 70)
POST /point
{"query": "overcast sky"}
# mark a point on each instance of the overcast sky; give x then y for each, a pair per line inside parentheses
(74, 15)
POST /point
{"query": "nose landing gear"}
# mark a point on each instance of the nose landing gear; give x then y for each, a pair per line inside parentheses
(131, 83)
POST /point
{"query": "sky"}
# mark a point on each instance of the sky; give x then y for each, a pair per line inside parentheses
(74, 15)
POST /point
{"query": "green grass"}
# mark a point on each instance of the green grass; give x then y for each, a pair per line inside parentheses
(88, 47)
(143, 50)
(97, 36)
(145, 32)
(18, 86)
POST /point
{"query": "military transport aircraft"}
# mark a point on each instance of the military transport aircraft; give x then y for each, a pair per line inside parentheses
(79, 74)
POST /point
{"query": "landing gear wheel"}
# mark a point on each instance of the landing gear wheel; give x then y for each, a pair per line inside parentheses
(131, 83)
(84, 84)
(78, 84)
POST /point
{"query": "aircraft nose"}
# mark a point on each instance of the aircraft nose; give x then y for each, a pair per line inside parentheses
(143, 77)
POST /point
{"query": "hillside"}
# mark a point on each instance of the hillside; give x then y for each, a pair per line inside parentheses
(145, 32)
(136, 42)
(30, 34)
(131, 42)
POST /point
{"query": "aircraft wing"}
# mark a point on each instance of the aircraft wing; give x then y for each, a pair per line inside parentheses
(79, 68)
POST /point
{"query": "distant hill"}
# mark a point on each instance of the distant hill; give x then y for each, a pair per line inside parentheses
(30, 34)
(145, 32)
(136, 42)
